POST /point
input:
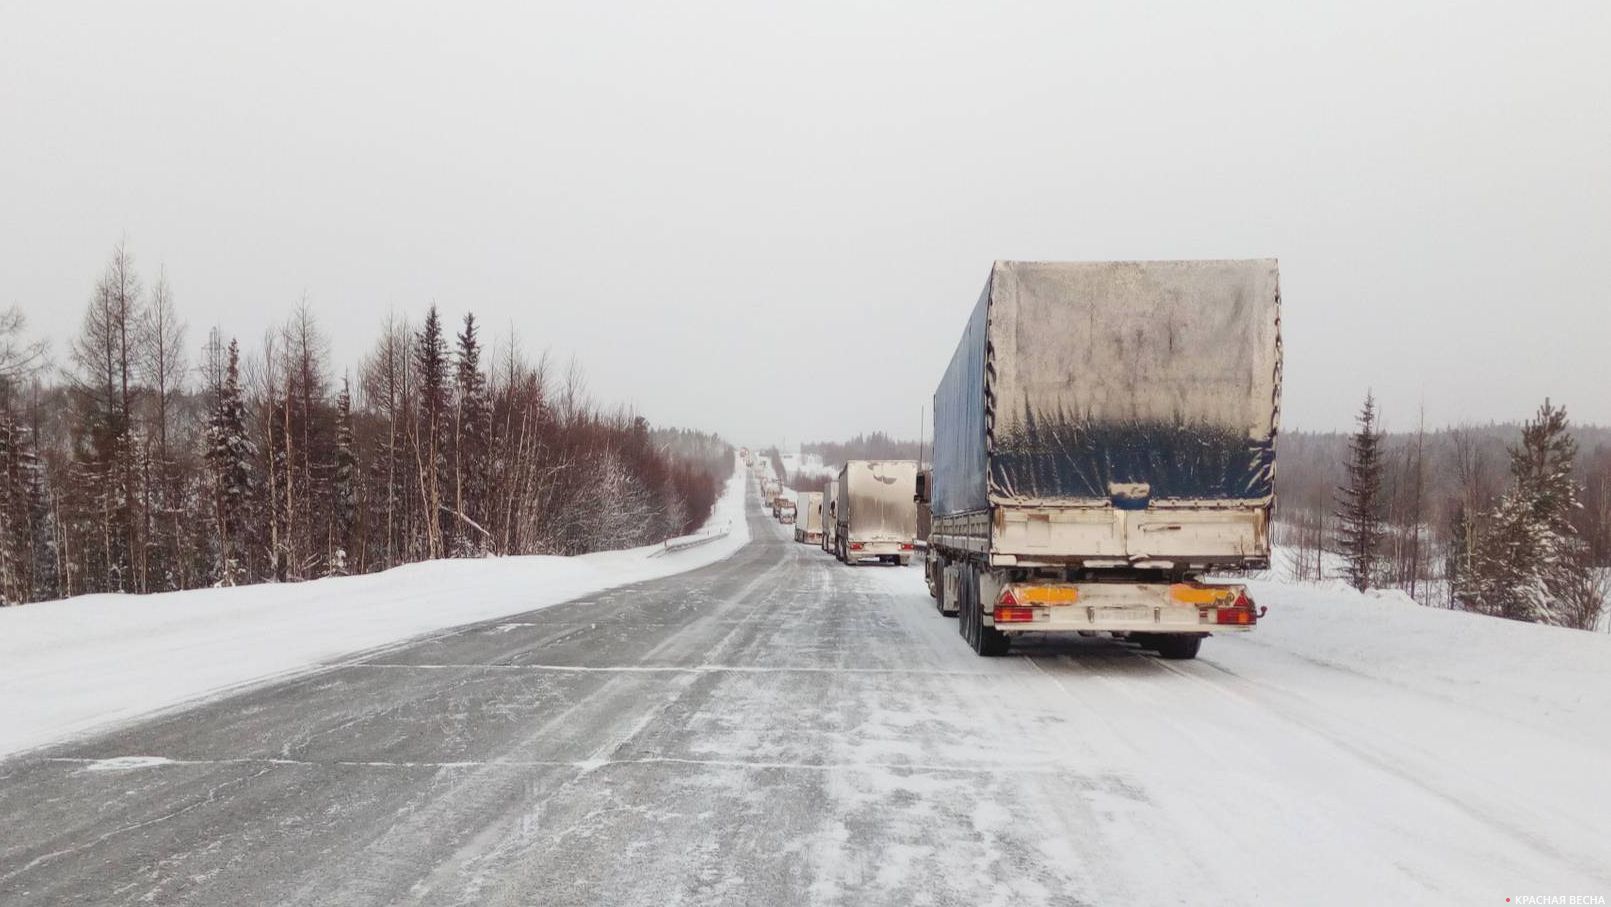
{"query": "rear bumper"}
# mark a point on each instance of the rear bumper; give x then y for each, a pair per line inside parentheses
(1070, 620)
(1191, 608)
(878, 548)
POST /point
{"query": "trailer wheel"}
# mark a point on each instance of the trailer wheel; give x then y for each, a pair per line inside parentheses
(1176, 647)
(964, 611)
(987, 642)
(945, 600)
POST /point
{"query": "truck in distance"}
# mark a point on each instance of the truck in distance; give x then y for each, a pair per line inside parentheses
(1104, 439)
(876, 515)
(808, 518)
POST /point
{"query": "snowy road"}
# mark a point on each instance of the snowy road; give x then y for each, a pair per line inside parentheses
(778, 729)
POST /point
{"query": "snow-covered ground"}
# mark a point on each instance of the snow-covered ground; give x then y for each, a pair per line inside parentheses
(1353, 748)
(81, 663)
(1527, 673)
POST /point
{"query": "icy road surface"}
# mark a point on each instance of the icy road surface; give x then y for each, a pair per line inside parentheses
(778, 729)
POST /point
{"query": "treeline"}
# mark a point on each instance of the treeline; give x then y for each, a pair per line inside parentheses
(1513, 520)
(802, 481)
(876, 446)
(124, 469)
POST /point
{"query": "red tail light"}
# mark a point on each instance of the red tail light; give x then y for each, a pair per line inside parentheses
(906, 547)
(1240, 613)
(856, 546)
(1012, 615)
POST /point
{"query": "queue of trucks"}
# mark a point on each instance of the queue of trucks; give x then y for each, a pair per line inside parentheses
(868, 514)
(1104, 446)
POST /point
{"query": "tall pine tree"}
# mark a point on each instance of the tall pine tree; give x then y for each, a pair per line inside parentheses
(1530, 562)
(431, 430)
(471, 430)
(231, 461)
(343, 488)
(1359, 502)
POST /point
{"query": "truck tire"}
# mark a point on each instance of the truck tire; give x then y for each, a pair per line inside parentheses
(987, 642)
(944, 601)
(1176, 647)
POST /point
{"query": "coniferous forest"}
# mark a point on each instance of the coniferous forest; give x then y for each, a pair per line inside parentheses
(143, 459)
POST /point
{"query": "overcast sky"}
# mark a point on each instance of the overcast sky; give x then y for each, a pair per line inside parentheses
(772, 219)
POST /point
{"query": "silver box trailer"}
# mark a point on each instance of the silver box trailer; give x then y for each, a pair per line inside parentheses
(1104, 436)
(808, 518)
(876, 511)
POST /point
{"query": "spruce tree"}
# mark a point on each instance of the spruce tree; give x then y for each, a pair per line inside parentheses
(231, 457)
(1530, 562)
(1359, 502)
(343, 487)
(1461, 552)
(431, 432)
(472, 426)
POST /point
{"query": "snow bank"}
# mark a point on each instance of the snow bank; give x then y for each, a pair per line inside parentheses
(1554, 676)
(82, 663)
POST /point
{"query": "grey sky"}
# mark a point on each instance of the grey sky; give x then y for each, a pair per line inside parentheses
(724, 210)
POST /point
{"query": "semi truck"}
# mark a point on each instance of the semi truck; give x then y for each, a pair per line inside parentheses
(1104, 441)
(808, 518)
(876, 515)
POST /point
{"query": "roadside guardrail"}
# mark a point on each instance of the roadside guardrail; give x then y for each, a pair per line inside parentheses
(683, 543)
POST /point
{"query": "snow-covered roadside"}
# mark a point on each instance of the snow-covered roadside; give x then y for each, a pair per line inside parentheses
(1544, 677)
(1548, 675)
(78, 664)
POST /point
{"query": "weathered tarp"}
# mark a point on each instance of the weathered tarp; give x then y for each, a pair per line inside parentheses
(960, 464)
(1077, 380)
(877, 499)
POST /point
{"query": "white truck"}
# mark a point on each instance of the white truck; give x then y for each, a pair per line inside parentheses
(808, 518)
(1104, 439)
(876, 511)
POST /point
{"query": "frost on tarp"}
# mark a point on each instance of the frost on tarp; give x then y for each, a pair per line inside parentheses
(1071, 377)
